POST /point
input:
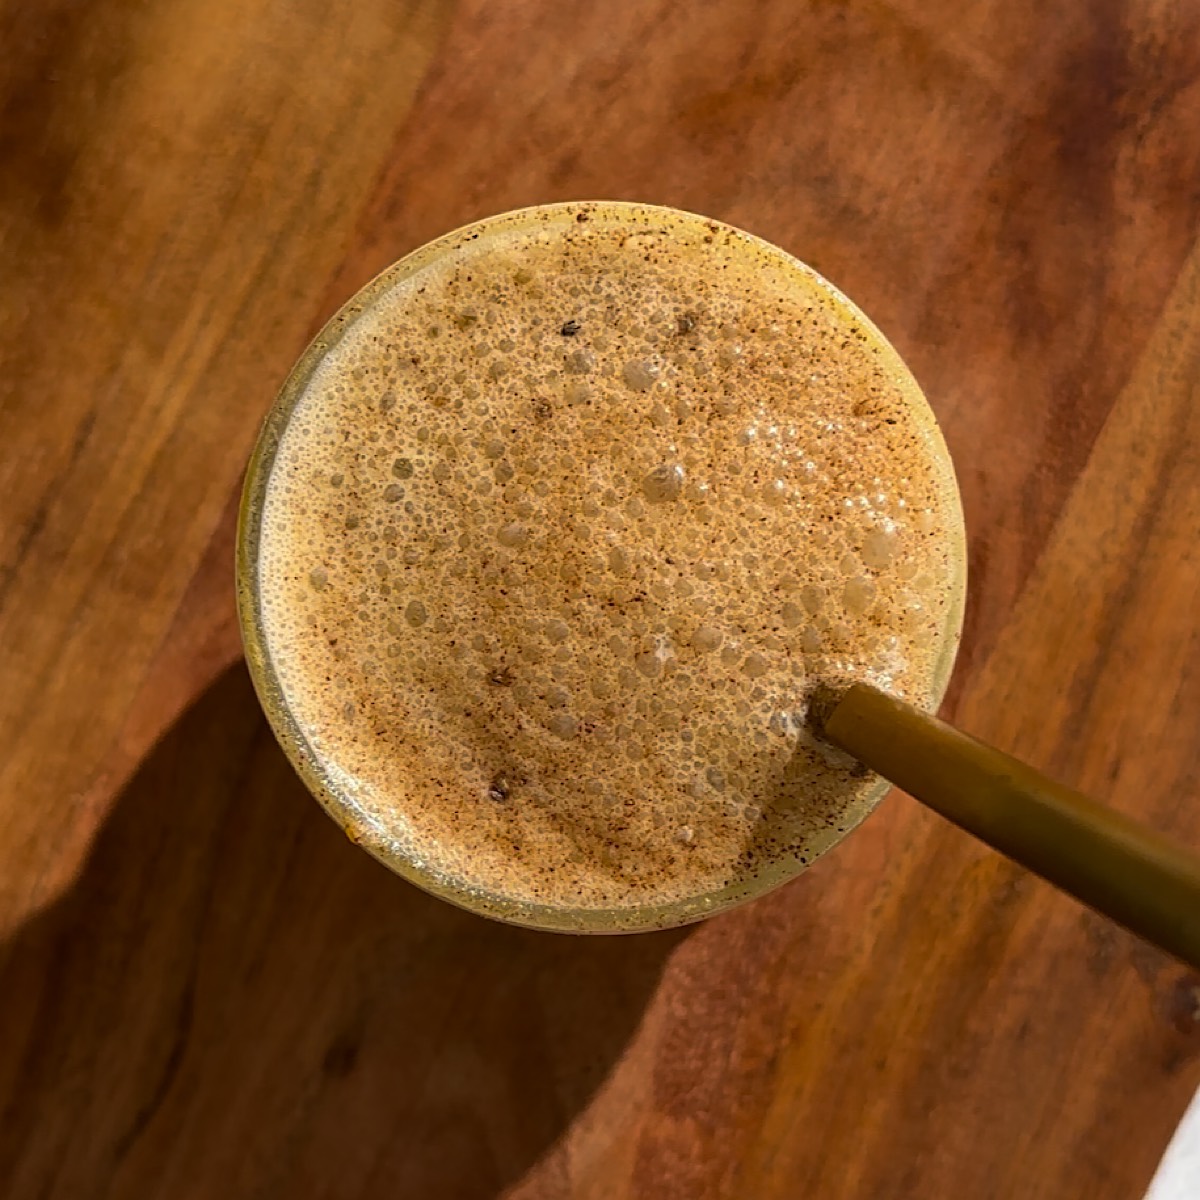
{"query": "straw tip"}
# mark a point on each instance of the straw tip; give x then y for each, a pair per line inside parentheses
(820, 701)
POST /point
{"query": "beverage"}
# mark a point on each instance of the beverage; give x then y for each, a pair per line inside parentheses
(548, 539)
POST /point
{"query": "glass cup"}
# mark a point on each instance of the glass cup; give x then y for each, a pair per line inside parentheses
(317, 774)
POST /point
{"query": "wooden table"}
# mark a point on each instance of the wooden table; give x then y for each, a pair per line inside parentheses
(204, 989)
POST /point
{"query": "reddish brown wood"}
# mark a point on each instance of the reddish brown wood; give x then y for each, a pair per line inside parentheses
(204, 990)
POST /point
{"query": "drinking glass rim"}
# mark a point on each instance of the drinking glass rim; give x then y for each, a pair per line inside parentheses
(309, 764)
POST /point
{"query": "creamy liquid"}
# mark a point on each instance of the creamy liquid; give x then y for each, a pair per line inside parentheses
(561, 532)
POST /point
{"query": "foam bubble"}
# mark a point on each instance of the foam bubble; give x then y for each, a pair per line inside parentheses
(563, 725)
(663, 484)
(512, 534)
(755, 665)
(640, 375)
(878, 547)
(858, 595)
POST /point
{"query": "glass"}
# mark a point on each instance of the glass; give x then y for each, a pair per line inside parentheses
(291, 737)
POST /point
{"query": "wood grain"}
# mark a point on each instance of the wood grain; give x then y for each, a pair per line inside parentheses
(175, 177)
(203, 989)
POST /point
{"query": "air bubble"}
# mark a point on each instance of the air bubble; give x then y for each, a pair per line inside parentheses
(640, 375)
(663, 484)
(649, 664)
(878, 547)
(812, 597)
(619, 562)
(858, 595)
(755, 665)
(513, 534)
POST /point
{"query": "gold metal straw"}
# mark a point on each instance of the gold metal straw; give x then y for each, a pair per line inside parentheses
(1129, 873)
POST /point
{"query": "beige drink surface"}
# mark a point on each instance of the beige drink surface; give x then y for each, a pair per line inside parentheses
(562, 530)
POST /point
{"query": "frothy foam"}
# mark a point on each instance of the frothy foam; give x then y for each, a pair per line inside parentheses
(562, 529)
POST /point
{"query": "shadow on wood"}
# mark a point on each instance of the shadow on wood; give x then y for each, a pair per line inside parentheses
(232, 998)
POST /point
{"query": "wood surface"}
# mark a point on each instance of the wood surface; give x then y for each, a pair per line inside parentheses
(205, 991)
